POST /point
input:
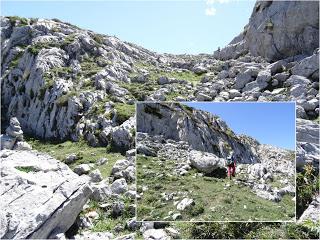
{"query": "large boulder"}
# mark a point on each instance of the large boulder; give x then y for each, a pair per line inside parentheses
(40, 196)
(122, 136)
(312, 212)
(205, 162)
(307, 66)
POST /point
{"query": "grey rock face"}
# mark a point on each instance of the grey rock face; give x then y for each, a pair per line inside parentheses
(28, 195)
(95, 176)
(276, 30)
(46, 66)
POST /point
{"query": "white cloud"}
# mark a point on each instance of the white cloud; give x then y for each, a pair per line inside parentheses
(223, 1)
(211, 2)
(211, 11)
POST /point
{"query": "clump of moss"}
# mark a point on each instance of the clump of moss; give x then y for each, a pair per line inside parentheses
(36, 48)
(98, 38)
(124, 112)
(63, 100)
(89, 66)
(26, 169)
(15, 61)
(68, 40)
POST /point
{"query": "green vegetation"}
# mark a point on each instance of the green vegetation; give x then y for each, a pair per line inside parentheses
(36, 48)
(213, 200)
(62, 101)
(155, 73)
(98, 38)
(140, 90)
(89, 66)
(308, 183)
(124, 112)
(18, 21)
(245, 230)
(84, 152)
(15, 61)
(68, 40)
(107, 221)
(26, 169)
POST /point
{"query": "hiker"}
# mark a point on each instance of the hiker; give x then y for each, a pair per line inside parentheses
(231, 164)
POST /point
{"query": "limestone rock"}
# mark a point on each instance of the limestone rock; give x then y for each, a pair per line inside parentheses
(155, 234)
(205, 162)
(119, 186)
(185, 203)
(30, 196)
(276, 30)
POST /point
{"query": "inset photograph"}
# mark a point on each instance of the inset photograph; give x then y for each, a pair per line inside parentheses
(215, 161)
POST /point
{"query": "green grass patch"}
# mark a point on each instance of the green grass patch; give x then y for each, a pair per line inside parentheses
(244, 230)
(36, 48)
(106, 221)
(89, 66)
(85, 153)
(140, 91)
(26, 169)
(62, 101)
(124, 111)
(212, 200)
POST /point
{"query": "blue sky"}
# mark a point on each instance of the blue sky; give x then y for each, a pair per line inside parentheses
(162, 26)
(269, 123)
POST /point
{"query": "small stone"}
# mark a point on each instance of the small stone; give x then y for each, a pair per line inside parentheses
(82, 169)
(119, 186)
(185, 203)
(96, 176)
(102, 161)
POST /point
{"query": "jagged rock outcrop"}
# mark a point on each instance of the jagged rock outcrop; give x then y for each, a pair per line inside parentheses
(201, 130)
(40, 196)
(277, 30)
(49, 71)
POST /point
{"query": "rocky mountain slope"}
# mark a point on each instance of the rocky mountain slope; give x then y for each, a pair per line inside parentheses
(66, 83)
(63, 82)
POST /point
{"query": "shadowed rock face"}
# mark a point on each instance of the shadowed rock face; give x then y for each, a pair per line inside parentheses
(278, 29)
(40, 196)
